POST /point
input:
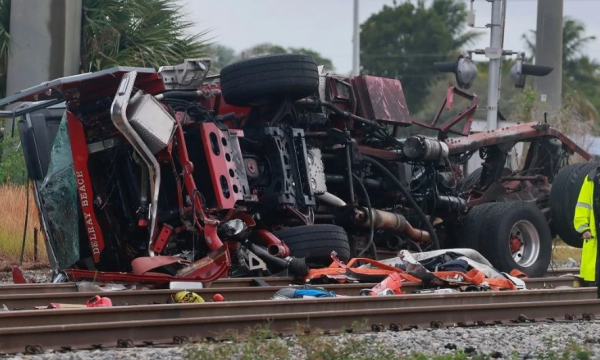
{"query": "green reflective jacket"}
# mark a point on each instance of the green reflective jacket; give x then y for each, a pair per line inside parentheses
(585, 221)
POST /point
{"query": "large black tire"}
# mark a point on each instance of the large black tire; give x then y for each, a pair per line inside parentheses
(563, 199)
(469, 231)
(316, 242)
(503, 221)
(472, 179)
(270, 78)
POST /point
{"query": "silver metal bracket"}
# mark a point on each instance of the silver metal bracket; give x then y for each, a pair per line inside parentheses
(186, 76)
(118, 114)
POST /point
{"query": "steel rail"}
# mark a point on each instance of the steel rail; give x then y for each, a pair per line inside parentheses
(29, 300)
(6, 289)
(115, 333)
(11, 319)
(563, 271)
(36, 288)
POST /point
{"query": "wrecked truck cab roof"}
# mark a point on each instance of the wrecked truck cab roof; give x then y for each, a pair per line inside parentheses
(87, 86)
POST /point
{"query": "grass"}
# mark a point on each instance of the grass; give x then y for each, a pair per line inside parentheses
(12, 219)
(261, 343)
(562, 252)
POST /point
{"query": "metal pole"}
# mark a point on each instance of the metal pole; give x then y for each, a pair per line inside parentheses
(494, 53)
(35, 245)
(503, 22)
(356, 42)
(548, 51)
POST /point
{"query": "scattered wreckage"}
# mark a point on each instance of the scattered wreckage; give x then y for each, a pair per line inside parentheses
(151, 176)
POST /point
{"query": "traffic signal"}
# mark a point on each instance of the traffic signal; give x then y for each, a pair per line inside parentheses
(463, 68)
(521, 69)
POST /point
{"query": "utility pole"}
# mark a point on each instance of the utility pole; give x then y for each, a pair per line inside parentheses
(548, 51)
(356, 42)
(494, 53)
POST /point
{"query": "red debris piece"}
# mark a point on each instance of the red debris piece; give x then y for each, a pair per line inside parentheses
(18, 277)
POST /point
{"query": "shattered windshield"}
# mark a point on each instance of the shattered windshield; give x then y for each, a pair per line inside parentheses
(58, 195)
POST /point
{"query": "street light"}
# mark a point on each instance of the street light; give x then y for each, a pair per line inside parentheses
(463, 68)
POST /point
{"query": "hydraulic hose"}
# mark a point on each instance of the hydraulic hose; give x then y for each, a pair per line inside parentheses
(408, 196)
(296, 266)
(371, 222)
(338, 111)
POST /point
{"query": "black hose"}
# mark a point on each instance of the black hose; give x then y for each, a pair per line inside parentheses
(413, 203)
(338, 111)
(295, 265)
(371, 242)
(25, 226)
(349, 169)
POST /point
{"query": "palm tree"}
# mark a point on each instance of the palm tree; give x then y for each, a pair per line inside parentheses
(574, 42)
(581, 75)
(136, 33)
(574, 39)
(147, 33)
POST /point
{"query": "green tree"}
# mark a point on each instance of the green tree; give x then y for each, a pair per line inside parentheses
(403, 41)
(268, 49)
(221, 56)
(147, 33)
(508, 94)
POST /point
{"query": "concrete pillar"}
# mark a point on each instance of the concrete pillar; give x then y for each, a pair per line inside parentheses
(548, 52)
(46, 37)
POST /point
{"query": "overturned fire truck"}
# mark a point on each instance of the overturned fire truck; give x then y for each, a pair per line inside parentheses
(273, 166)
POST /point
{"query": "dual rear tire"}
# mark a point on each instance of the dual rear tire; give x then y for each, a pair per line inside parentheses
(512, 235)
(563, 199)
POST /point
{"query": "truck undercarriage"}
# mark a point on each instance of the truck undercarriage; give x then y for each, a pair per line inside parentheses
(270, 167)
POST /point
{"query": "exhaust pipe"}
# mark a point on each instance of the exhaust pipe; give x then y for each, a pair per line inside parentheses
(296, 266)
(385, 220)
(275, 246)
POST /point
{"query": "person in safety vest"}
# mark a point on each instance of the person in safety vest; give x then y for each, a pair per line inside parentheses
(585, 224)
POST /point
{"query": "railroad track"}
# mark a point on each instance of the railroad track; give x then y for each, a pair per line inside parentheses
(562, 271)
(24, 297)
(12, 319)
(38, 288)
(153, 321)
(33, 331)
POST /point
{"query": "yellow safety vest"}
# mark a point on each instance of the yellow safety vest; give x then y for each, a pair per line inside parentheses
(585, 221)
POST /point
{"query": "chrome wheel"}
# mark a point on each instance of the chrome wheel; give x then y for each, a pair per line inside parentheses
(524, 243)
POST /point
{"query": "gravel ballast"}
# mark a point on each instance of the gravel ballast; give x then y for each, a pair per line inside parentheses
(38, 276)
(529, 341)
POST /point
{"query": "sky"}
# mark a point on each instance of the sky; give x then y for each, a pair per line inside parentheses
(326, 25)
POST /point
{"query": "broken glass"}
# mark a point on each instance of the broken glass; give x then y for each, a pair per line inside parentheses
(58, 195)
